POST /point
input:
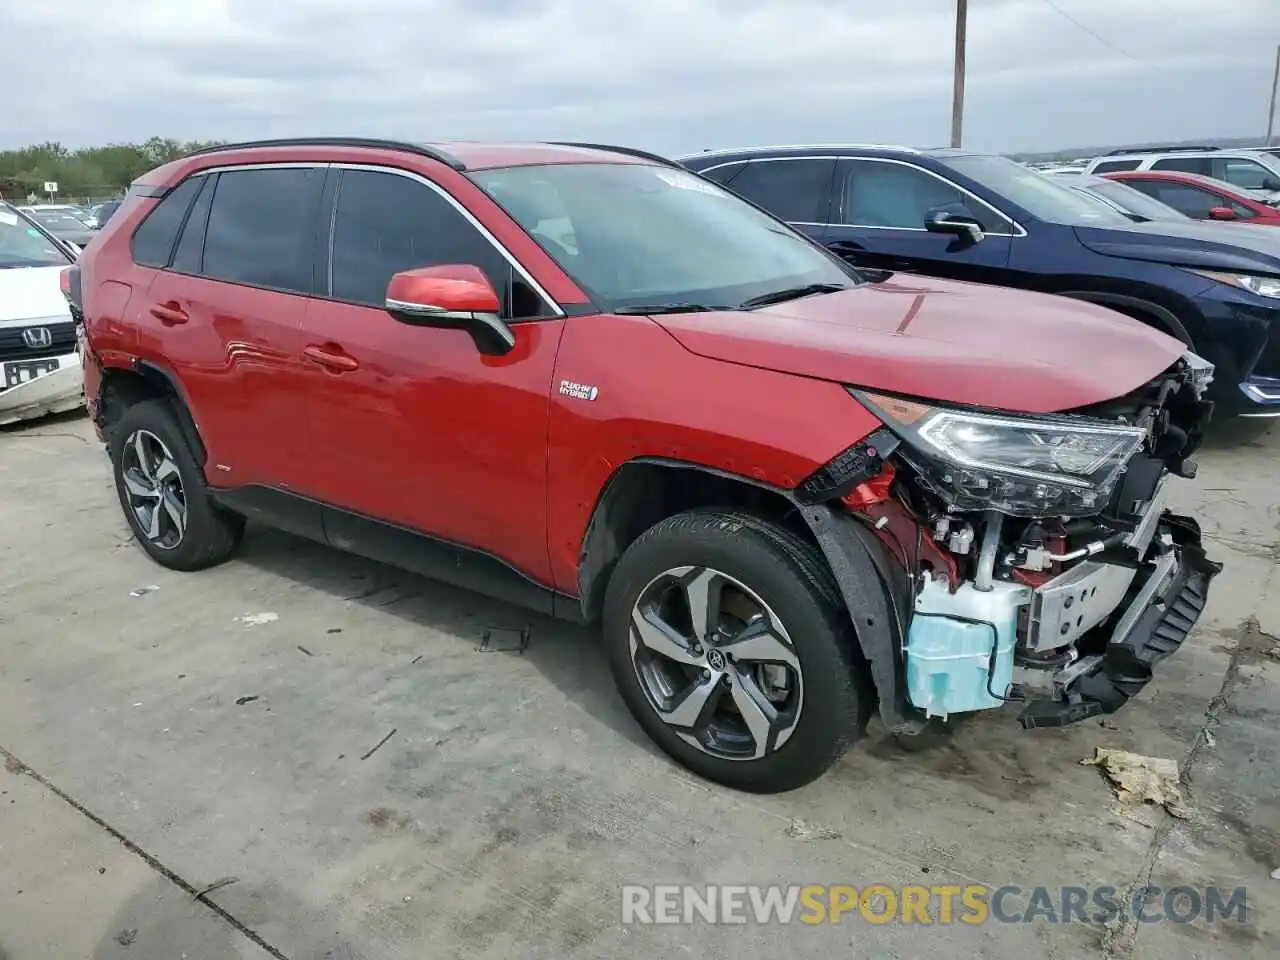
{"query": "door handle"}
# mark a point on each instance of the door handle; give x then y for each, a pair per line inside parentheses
(333, 360)
(170, 314)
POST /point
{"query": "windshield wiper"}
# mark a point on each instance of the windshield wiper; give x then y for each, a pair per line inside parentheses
(679, 306)
(791, 293)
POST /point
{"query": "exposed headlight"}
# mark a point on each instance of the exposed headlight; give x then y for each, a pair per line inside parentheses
(1030, 467)
(1262, 286)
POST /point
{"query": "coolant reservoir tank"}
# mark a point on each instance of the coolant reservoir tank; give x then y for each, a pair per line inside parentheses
(960, 646)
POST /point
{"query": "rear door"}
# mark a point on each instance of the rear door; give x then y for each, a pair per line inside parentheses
(795, 189)
(224, 312)
(879, 222)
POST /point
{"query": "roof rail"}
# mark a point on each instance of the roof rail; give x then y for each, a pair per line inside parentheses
(802, 146)
(419, 149)
(1189, 148)
(625, 151)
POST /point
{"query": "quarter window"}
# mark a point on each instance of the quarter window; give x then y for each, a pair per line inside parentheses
(261, 227)
(901, 196)
(152, 243)
(386, 223)
(1111, 166)
(724, 175)
(797, 191)
(1200, 165)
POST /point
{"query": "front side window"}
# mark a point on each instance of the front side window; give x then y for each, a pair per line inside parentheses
(1135, 201)
(1192, 201)
(386, 223)
(23, 244)
(882, 194)
(261, 227)
(1111, 166)
(797, 191)
(633, 234)
(1243, 173)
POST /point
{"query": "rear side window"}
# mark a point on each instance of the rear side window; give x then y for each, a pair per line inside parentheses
(261, 227)
(797, 191)
(1111, 166)
(152, 242)
(1201, 165)
(386, 223)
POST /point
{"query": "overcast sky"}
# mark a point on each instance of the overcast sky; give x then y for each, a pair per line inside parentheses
(671, 75)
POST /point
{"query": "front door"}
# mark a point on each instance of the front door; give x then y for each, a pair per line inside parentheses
(880, 222)
(412, 426)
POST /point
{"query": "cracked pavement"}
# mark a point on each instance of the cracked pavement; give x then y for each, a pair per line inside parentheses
(187, 778)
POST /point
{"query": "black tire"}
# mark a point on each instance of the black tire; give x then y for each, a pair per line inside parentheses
(211, 533)
(791, 577)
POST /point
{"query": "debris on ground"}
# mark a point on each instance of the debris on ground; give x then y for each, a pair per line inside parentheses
(1275, 874)
(257, 619)
(1140, 779)
(305, 650)
(143, 591)
(241, 701)
(378, 746)
(1209, 739)
(216, 885)
(126, 936)
(505, 640)
(803, 830)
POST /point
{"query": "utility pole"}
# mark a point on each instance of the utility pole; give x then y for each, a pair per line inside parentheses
(957, 84)
(1271, 112)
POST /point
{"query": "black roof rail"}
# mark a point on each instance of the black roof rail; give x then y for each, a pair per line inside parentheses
(1183, 148)
(418, 148)
(625, 151)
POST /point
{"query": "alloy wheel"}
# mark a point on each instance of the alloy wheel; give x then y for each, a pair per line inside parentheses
(716, 663)
(153, 485)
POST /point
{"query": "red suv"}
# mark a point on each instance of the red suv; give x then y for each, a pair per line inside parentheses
(582, 379)
(1203, 198)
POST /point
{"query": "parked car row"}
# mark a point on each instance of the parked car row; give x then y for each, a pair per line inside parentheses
(987, 219)
(795, 478)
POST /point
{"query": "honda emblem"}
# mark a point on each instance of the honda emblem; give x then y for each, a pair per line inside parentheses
(37, 337)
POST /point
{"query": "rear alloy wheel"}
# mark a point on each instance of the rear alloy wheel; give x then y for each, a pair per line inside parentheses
(153, 486)
(162, 491)
(730, 647)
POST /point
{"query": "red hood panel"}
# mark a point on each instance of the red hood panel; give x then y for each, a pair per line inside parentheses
(942, 340)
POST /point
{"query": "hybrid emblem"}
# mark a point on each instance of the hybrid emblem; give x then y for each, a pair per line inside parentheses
(37, 337)
(579, 391)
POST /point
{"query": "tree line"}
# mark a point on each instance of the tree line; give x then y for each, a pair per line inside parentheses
(90, 172)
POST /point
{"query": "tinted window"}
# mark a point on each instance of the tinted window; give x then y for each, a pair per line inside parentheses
(1110, 166)
(386, 223)
(879, 194)
(726, 174)
(152, 242)
(22, 244)
(1184, 164)
(1189, 200)
(635, 234)
(186, 258)
(261, 227)
(793, 190)
(1037, 194)
(1135, 201)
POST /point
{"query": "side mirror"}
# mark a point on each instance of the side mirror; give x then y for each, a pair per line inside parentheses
(1270, 183)
(1222, 213)
(961, 225)
(457, 296)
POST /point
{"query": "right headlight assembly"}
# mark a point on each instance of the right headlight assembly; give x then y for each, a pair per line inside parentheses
(1023, 466)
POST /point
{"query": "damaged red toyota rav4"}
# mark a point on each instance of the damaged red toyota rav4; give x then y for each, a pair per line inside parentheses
(582, 379)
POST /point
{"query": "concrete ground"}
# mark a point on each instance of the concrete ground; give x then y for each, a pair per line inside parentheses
(168, 734)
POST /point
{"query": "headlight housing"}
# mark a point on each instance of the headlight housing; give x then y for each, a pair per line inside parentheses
(1262, 286)
(1023, 466)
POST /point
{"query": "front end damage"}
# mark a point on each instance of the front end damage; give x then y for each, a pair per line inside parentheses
(989, 558)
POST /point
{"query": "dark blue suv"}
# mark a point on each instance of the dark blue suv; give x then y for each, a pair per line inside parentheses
(967, 216)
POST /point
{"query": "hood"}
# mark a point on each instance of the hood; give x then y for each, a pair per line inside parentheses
(1237, 247)
(31, 293)
(959, 343)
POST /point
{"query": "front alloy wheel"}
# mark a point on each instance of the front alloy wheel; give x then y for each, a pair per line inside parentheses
(716, 663)
(153, 486)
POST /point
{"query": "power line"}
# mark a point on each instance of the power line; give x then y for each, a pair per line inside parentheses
(1102, 40)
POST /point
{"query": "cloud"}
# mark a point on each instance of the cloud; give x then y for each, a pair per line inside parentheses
(671, 75)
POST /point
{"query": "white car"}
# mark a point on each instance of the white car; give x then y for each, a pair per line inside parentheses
(1250, 169)
(39, 364)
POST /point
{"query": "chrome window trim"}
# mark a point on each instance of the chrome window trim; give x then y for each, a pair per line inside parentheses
(1020, 231)
(507, 255)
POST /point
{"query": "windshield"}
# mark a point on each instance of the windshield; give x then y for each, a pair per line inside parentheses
(22, 245)
(1135, 201)
(1035, 193)
(633, 235)
(58, 220)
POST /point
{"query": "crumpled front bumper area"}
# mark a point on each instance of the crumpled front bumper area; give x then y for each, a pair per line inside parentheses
(1163, 602)
(56, 392)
